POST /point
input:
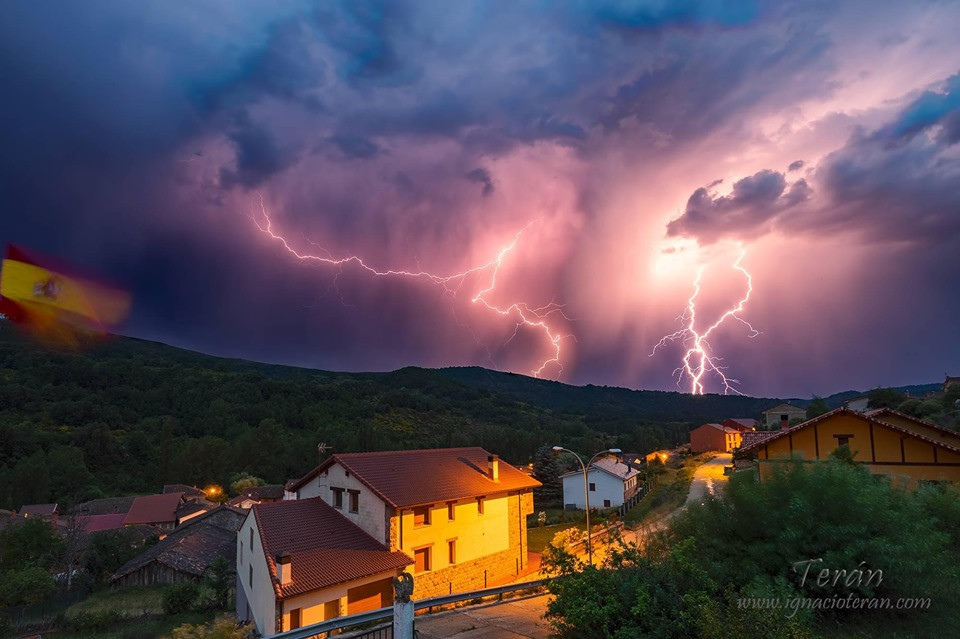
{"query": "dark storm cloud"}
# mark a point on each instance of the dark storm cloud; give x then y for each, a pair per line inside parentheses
(755, 201)
(481, 176)
(896, 183)
(795, 166)
(258, 156)
(354, 146)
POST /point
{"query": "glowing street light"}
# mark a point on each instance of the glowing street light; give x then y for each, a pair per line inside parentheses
(586, 487)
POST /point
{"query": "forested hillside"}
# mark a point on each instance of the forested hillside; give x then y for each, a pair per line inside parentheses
(126, 415)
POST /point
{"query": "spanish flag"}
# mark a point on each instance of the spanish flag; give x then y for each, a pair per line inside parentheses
(44, 296)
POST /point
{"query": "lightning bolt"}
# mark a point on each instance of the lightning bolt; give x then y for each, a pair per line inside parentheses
(525, 316)
(699, 358)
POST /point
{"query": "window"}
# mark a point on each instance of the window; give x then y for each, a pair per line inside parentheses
(241, 551)
(250, 576)
(606, 503)
(337, 497)
(251, 539)
(784, 418)
(294, 618)
(451, 510)
(843, 440)
(452, 551)
(593, 487)
(421, 559)
(354, 501)
(421, 516)
(479, 505)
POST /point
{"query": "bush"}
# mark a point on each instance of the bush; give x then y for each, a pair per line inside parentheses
(92, 622)
(180, 598)
(25, 586)
(219, 629)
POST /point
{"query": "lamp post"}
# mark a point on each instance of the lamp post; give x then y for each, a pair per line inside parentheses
(586, 487)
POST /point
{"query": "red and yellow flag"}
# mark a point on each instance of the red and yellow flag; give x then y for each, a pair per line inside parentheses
(35, 292)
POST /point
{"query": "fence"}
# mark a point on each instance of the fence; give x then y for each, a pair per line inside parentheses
(386, 632)
(42, 615)
(639, 494)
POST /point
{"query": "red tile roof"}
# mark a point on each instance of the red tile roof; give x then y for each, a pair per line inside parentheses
(326, 547)
(412, 477)
(740, 423)
(98, 523)
(154, 509)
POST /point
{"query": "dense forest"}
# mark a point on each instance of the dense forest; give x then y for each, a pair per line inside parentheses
(126, 416)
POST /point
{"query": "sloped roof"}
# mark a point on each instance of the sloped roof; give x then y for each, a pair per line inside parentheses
(188, 508)
(413, 477)
(270, 491)
(610, 466)
(154, 509)
(38, 510)
(720, 427)
(878, 413)
(846, 411)
(744, 422)
(752, 437)
(782, 405)
(326, 547)
(98, 523)
(188, 491)
(104, 506)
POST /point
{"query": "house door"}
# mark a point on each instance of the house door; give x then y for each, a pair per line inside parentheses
(378, 594)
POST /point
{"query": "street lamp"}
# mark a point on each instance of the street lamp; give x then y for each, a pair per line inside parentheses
(586, 487)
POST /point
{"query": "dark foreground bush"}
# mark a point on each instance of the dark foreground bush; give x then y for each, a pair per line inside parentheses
(180, 598)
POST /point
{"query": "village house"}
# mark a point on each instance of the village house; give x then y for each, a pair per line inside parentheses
(782, 414)
(610, 483)
(159, 511)
(456, 516)
(187, 553)
(858, 404)
(258, 495)
(48, 512)
(885, 441)
(715, 437)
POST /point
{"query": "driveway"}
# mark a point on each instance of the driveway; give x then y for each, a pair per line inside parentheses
(516, 619)
(708, 478)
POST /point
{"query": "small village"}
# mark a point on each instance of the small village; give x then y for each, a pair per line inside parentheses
(329, 546)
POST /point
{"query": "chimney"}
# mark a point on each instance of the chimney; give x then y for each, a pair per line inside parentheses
(284, 568)
(784, 422)
(493, 467)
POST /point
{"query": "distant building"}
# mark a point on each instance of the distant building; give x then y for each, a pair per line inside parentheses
(781, 415)
(48, 512)
(716, 437)
(609, 481)
(858, 404)
(100, 523)
(742, 424)
(456, 517)
(885, 441)
(187, 553)
(258, 495)
(949, 382)
(104, 506)
(155, 510)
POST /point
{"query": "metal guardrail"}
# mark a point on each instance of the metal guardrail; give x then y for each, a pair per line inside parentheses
(422, 604)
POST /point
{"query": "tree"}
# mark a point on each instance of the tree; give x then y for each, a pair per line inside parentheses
(26, 585)
(241, 481)
(31, 542)
(110, 549)
(817, 407)
(218, 579)
(885, 398)
(546, 469)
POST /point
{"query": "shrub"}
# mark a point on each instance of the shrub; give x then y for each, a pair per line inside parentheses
(92, 622)
(219, 629)
(180, 597)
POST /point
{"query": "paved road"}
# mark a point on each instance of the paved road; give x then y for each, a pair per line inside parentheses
(517, 619)
(708, 478)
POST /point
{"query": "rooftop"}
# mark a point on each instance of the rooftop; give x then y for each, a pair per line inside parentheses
(413, 477)
(38, 510)
(154, 509)
(326, 547)
(99, 523)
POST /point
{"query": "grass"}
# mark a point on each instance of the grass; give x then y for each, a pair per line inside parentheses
(128, 602)
(671, 490)
(150, 628)
(538, 538)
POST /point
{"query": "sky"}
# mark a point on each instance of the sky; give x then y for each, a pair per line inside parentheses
(536, 187)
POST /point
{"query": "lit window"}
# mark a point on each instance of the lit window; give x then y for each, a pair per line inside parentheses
(354, 501)
(421, 516)
(452, 551)
(421, 560)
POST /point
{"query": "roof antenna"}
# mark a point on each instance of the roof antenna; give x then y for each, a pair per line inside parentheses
(321, 449)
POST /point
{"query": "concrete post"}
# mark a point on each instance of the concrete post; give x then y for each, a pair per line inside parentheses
(403, 607)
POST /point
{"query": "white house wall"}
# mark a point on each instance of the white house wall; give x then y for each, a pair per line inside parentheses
(261, 597)
(372, 515)
(607, 487)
